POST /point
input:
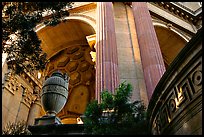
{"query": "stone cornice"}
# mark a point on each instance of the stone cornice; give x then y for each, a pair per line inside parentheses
(181, 11)
(84, 16)
(83, 8)
(178, 10)
(195, 13)
(158, 17)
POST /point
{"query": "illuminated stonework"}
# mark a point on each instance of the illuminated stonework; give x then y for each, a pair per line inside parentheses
(102, 44)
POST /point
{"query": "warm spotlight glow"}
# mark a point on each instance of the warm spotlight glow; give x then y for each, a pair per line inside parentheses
(39, 75)
(79, 121)
(93, 56)
(180, 97)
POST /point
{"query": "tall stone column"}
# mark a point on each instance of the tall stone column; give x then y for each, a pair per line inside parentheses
(152, 60)
(106, 50)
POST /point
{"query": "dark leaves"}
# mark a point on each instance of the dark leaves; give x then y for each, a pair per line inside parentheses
(117, 115)
(20, 18)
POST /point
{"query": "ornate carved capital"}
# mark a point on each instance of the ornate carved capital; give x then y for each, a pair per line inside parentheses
(91, 39)
(92, 42)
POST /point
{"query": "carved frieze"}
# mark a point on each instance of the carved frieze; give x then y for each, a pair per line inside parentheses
(179, 97)
(181, 11)
(10, 83)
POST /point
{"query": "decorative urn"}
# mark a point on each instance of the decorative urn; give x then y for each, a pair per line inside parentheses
(54, 93)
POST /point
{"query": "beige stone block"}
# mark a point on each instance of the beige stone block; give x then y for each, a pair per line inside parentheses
(143, 91)
(125, 54)
(131, 23)
(90, 13)
(4, 69)
(11, 118)
(23, 112)
(121, 27)
(139, 70)
(127, 70)
(6, 96)
(4, 115)
(14, 104)
(119, 10)
(136, 51)
(123, 40)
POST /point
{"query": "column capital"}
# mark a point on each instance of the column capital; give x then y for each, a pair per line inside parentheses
(91, 39)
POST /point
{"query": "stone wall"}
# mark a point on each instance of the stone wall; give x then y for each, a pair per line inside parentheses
(129, 61)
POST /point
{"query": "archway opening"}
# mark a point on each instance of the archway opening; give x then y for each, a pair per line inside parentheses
(170, 43)
(68, 51)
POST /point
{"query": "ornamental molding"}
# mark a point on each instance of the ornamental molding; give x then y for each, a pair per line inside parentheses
(181, 11)
(178, 10)
(171, 27)
(31, 79)
(82, 17)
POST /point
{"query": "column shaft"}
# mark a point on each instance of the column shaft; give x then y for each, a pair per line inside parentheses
(106, 50)
(151, 56)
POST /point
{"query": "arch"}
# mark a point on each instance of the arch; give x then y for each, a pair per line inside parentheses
(72, 32)
(68, 51)
(171, 41)
(89, 20)
(168, 26)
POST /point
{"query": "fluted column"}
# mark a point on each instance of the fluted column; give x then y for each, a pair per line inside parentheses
(152, 60)
(106, 50)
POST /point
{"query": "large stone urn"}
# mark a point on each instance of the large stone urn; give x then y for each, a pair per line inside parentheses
(53, 98)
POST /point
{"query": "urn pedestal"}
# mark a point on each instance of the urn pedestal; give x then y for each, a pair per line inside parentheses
(53, 98)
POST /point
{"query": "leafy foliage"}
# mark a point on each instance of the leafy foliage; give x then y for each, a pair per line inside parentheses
(116, 114)
(19, 128)
(18, 22)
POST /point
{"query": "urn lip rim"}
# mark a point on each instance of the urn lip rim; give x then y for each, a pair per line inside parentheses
(57, 73)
